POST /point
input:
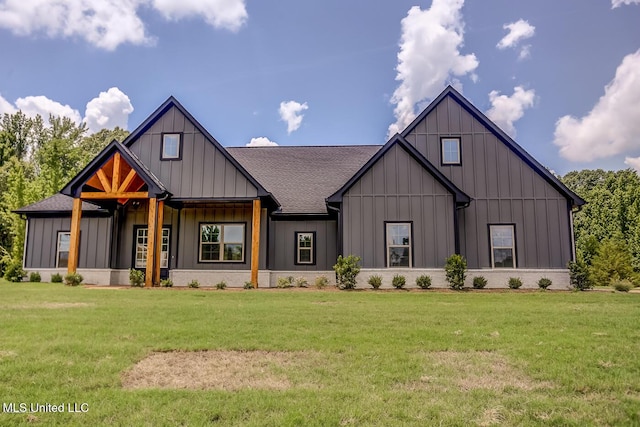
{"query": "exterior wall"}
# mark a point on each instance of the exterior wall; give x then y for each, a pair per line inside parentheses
(282, 244)
(42, 239)
(397, 188)
(202, 171)
(504, 189)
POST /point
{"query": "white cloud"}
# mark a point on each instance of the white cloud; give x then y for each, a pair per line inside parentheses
(617, 3)
(110, 23)
(612, 126)
(32, 106)
(6, 106)
(633, 162)
(108, 110)
(518, 31)
(291, 112)
(261, 141)
(505, 110)
(525, 52)
(429, 57)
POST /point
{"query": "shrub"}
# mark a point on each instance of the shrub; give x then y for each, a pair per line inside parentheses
(479, 282)
(456, 271)
(398, 281)
(56, 278)
(515, 282)
(193, 284)
(612, 261)
(285, 282)
(73, 279)
(301, 282)
(579, 275)
(220, 285)
(248, 285)
(35, 277)
(423, 282)
(544, 283)
(347, 270)
(623, 285)
(14, 272)
(136, 278)
(375, 281)
(166, 283)
(321, 282)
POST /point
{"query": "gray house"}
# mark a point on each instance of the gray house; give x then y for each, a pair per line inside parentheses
(170, 200)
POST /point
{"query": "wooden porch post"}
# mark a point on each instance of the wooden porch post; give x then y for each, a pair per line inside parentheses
(159, 240)
(74, 243)
(255, 242)
(151, 243)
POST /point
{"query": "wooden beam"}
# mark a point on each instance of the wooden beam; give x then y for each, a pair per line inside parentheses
(104, 180)
(151, 242)
(255, 242)
(115, 177)
(104, 196)
(127, 180)
(74, 243)
(159, 240)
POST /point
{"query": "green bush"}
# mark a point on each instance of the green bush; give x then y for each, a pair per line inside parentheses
(544, 283)
(612, 261)
(623, 285)
(220, 285)
(515, 283)
(56, 278)
(193, 284)
(456, 271)
(285, 282)
(166, 283)
(321, 282)
(398, 281)
(479, 282)
(14, 272)
(35, 277)
(347, 270)
(248, 285)
(73, 279)
(375, 281)
(301, 282)
(579, 275)
(136, 278)
(423, 282)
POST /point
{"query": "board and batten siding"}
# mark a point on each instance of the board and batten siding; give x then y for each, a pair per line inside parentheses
(504, 188)
(202, 172)
(398, 188)
(42, 240)
(282, 244)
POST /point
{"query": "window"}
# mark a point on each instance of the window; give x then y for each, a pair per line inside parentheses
(305, 247)
(503, 248)
(142, 237)
(221, 242)
(171, 146)
(62, 251)
(399, 244)
(451, 151)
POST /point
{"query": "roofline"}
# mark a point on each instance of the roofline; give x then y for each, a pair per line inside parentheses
(173, 102)
(506, 139)
(459, 196)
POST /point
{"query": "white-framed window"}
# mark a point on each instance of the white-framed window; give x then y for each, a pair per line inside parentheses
(171, 143)
(503, 247)
(221, 242)
(451, 151)
(305, 247)
(142, 238)
(399, 244)
(62, 249)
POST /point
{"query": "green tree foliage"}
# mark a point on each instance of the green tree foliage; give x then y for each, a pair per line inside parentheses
(612, 262)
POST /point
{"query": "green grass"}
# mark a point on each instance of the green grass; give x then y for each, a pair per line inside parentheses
(375, 358)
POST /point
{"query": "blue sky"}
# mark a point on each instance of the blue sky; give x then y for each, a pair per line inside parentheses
(562, 77)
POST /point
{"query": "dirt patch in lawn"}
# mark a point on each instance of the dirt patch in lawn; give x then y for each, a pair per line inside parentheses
(219, 370)
(473, 370)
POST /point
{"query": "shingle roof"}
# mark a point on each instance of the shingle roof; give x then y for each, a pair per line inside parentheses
(302, 177)
(57, 203)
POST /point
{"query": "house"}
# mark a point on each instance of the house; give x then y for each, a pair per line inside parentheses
(172, 201)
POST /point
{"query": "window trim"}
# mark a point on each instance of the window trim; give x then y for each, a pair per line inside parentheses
(222, 261)
(513, 248)
(162, 154)
(449, 138)
(297, 248)
(60, 232)
(387, 245)
(137, 227)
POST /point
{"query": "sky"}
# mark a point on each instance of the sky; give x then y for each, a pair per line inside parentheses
(561, 77)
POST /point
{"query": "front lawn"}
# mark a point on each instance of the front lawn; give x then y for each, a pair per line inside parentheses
(307, 357)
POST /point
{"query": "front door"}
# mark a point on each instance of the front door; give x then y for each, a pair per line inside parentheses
(141, 237)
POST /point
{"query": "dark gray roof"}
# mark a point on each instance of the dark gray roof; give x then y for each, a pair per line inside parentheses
(302, 177)
(57, 203)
